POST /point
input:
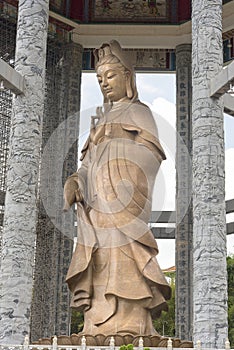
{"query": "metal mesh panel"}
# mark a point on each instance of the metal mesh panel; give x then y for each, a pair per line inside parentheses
(49, 239)
(7, 36)
(50, 309)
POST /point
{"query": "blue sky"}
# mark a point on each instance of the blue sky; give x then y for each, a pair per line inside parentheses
(229, 131)
(159, 92)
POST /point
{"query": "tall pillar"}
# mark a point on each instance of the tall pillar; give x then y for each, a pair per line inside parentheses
(7, 52)
(19, 231)
(184, 214)
(209, 228)
(55, 233)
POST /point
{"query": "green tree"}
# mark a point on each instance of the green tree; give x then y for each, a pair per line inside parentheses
(165, 325)
(230, 271)
(77, 322)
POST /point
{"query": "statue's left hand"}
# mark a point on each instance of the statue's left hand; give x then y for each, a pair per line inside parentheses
(71, 193)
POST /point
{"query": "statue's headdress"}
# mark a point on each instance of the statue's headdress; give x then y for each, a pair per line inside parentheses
(111, 50)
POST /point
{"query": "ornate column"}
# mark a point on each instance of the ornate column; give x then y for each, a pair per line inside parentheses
(7, 52)
(184, 215)
(209, 228)
(19, 232)
(55, 231)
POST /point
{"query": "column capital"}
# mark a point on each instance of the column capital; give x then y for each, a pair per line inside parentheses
(183, 55)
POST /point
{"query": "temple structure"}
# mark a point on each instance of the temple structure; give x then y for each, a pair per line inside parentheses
(40, 75)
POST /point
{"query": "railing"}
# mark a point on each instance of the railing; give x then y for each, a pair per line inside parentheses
(83, 346)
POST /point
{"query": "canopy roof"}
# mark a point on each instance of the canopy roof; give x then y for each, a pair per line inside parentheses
(127, 11)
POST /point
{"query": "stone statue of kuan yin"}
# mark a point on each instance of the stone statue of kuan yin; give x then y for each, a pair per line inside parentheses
(114, 276)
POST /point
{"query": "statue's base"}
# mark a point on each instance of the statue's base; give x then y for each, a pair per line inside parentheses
(103, 340)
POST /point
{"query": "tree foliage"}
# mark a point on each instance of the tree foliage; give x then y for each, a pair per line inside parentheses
(230, 270)
(77, 322)
(165, 325)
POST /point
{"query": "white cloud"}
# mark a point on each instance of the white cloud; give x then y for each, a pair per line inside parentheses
(151, 86)
(230, 244)
(228, 131)
(165, 116)
(146, 88)
(229, 188)
(166, 109)
(164, 192)
(90, 92)
(166, 256)
(229, 171)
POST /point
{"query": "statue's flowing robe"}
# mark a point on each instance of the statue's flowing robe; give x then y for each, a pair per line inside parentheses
(114, 275)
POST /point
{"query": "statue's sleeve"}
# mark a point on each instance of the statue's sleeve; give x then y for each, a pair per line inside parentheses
(83, 170)
(141, 121)
(80, 176)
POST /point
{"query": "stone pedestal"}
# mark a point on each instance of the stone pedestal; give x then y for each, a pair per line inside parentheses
(184, 215)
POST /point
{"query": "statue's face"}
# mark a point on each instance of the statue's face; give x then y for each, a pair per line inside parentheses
(112, 81)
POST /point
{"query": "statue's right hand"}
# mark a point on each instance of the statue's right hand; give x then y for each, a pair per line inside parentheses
(71, 193)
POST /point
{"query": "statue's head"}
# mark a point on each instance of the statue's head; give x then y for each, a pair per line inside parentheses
(115, 73)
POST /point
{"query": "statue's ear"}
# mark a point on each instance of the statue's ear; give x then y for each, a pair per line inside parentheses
(128, 86)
